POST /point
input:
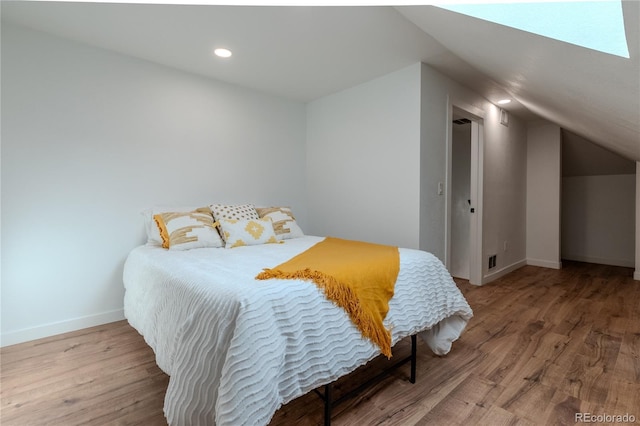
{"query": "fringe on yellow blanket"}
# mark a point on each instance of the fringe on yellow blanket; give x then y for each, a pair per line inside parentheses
(357, 276)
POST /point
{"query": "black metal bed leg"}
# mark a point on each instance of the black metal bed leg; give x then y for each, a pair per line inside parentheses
(327, 397)
(412, 379)
(327, 405)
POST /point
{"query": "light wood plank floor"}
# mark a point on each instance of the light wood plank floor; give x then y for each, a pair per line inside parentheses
(543, 346)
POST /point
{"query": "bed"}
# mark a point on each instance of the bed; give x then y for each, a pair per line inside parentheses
(236, 349)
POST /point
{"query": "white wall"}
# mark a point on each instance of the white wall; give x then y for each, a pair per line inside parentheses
(505, 193)
(598, 219)
(90, 138)
(363, 165)
(434, 126)
(375, 155)
(598, 203)
(504, 174)
(543, 194)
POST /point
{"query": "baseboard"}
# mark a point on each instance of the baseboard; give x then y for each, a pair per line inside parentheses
(51, 329)
(503, 271)
(636, 275)
(544, 263)
(600, 260)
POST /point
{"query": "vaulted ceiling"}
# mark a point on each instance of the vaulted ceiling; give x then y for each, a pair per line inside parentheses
(304, 53)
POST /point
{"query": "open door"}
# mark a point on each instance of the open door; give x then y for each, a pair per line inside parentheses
(460, 188)
(464, 209)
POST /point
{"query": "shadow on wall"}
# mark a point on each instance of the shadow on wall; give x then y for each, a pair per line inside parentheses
(598, 204)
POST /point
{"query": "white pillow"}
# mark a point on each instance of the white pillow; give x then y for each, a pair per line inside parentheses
(235, 212)
(284, 223)
(247, 232)
(153, 233)
(187, 230)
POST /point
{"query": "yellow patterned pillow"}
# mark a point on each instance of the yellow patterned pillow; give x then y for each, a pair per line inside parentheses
(247, 232)
(188, 230)
(234, 212)
(283, 222)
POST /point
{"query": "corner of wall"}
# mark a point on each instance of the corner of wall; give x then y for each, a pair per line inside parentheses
(544, 263)
(544, 178)
(504, 271)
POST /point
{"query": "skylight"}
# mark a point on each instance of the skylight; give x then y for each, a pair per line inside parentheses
(597, 25)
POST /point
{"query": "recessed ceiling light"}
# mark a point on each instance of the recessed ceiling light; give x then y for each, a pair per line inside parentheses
(223, 53)
(504, 101)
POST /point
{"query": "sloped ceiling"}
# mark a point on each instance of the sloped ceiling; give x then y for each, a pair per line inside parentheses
(301, 53)
(581, 157)
(592, 94)
(304, 53)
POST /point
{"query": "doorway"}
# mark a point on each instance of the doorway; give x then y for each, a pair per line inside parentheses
(460, 197)
(464, 200)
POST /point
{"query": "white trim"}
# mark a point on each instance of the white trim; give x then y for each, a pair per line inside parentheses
(51, 329)
(600, 260)
(636, 275)
(471, 109)
(449, 185)
(504, 271)
(544, 263)
(477, 197)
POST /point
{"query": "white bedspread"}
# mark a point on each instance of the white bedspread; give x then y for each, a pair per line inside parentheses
(236, 349)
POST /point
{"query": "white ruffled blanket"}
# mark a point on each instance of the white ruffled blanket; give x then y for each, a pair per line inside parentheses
(236, 348)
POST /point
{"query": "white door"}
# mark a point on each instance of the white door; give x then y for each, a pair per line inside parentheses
(464, 200)
(460, 198)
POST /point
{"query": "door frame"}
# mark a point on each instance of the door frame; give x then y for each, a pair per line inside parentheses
(476, 115)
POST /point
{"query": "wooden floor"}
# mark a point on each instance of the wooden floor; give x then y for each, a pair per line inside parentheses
(543, 345)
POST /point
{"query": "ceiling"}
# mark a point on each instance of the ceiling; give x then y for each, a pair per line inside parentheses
(304, 53)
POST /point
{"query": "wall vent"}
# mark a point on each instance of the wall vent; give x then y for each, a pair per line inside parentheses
(492, 261)
(504, 118)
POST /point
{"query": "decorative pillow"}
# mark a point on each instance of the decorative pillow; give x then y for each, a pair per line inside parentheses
(284, 223)
(235, 212)
(188, 230)
(247, 232)
(153, 233)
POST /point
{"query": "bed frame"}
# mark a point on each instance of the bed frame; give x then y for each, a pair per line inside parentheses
(327, 397)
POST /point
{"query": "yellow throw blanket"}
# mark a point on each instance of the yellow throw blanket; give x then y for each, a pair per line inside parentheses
(357, 276)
